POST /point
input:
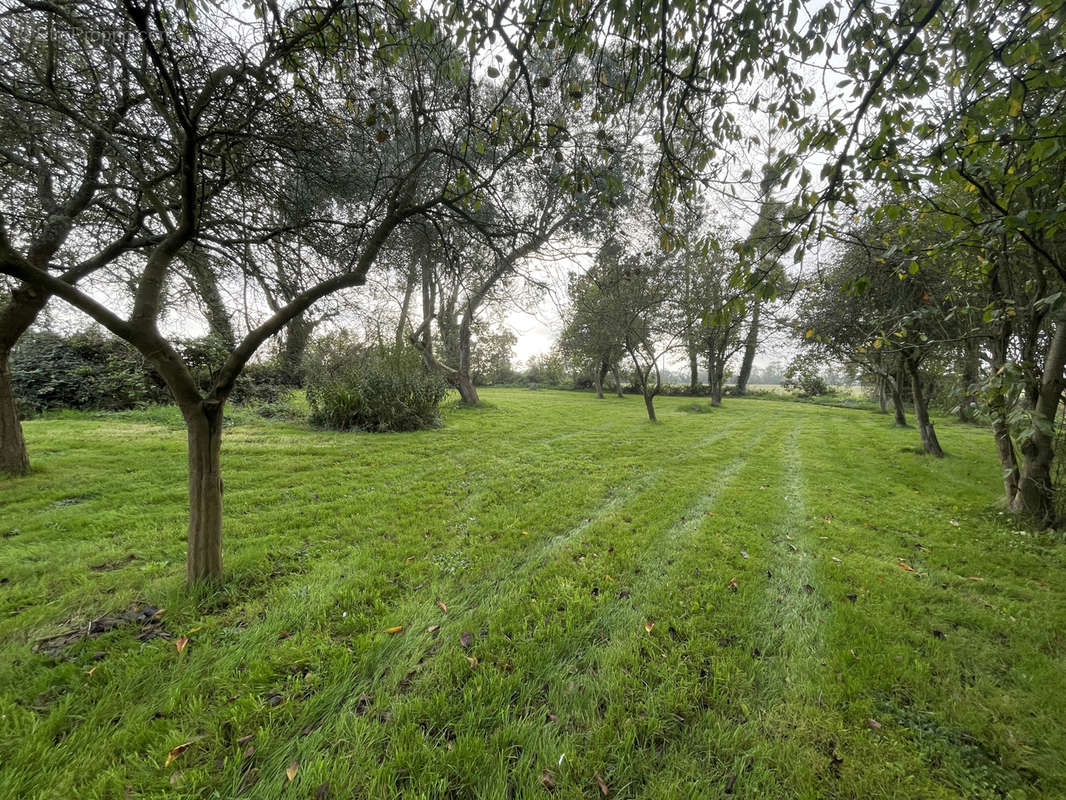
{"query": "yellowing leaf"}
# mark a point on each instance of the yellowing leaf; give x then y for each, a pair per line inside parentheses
(809, 333)
(181, 642)
(442, 607)
(177, 751)
(649, 625)
(1015, 107)
(292, 769)
(907, 567)
(394, 630)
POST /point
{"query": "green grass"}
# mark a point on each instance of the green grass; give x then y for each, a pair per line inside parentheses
(553, 527)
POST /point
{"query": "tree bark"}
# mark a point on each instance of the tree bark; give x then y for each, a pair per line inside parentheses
(1008, 457)
(405, 307)
(897, 402)
(693, 369)
(750, 347)
(15, 319)
(649, 403)
(205, 284)
(930, 444)
(297, 334)
(204, 557)
(971, 368)
(14, 460)
(1036, 493)
(882, 395)
(617, 380)
(599, 372)
(716, 377)
(463, 379)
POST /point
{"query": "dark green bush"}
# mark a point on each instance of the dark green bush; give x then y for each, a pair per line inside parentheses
(85, 370)
(92, 370)
(371, 387)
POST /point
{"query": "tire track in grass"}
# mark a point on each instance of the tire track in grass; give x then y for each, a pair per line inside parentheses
(790, 713)
(671, 658)
(390, 661)
(714, 742)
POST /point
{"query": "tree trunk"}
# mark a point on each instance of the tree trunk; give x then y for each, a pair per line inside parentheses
(599, 372)
(204, 557)
(930, 444)
(14, 460)
(1036, 496)
(297, 334)
(617, 380)
(649, 403)
(463, 380)
(897, 402)
(405, 308)
(716, 377)
(1008, 458)
(971, 367)
(882, 395)
(16, 317)
(205, 285)
(693, 369)
(750, 346)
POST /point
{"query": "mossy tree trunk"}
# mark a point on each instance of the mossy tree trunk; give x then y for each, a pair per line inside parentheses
(1036, 493)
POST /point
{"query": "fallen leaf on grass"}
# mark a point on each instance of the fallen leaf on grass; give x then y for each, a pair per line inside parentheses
(181, 643)
(954, 522)
(733, 584)
(433, 628)
(744, 553)
(293, 768)
(442, 607)
(394, 630)
(177, 751)
(248, 753)
(466, 638)
(649, 625)
(874, 724)
(907, 567)
(837, 560)
(547, 781)
(525, 533)
(472, 660)
(603, 786)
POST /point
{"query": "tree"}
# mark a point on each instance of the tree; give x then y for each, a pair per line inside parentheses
(227, 110)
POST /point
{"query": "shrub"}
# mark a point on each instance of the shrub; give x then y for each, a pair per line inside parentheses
(85, 370)
(803, 376)
(371, 387)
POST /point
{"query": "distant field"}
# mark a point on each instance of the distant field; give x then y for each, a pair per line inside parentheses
(766, 600)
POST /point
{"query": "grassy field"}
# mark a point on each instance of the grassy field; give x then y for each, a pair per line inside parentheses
(714, 606)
